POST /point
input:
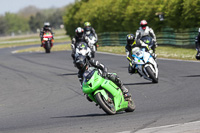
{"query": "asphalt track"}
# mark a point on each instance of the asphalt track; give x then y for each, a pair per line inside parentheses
(40, 93)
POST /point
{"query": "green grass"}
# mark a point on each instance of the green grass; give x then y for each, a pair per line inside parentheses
(161, 51)
(22, 40)
(62, 47)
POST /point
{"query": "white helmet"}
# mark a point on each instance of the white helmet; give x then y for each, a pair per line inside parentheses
(46, 24)
(143, 24)
(199, 29)
(79, 31)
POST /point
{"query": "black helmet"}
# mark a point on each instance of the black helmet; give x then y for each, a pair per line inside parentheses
(79, 32)
(130, 39)
(80, 62)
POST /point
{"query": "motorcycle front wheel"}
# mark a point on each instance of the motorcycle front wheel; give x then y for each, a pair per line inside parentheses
(152, 75)
(131, 106)
(47, 47)
(107, 106)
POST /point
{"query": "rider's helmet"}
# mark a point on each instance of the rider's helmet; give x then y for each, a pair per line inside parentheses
(87, 26)
(143, 24)
(199, 30)
(130, 39)
(79, 32)
(47, 26)
(80, 62)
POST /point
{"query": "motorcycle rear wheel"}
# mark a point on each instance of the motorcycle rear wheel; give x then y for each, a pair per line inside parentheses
(152, 75)
(108, 107)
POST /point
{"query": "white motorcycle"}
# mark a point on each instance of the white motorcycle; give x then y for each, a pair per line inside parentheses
(92, 43)
(145, 64)
(83, 49)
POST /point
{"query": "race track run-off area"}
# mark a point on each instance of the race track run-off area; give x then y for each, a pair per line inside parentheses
(40, 93)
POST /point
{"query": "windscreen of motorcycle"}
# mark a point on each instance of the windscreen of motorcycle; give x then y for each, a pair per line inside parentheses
(147, 40)
(88, 74)
(88, 32)
(137, 52)
(47, 35)
(92, 39)
(82, 49)
(82, 52)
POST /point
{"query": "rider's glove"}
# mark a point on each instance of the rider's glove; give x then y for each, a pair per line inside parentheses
(150, 51)
(156, 44)
(105, 73)
(133, 62)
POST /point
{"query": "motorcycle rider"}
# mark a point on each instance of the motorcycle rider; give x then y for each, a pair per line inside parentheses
(83, 64)
(145, 30)
(197, 42)
(45, 28)
(131, 43)
(89, 29)
(79, 37)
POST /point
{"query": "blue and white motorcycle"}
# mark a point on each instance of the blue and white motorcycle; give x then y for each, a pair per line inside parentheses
(145, 64)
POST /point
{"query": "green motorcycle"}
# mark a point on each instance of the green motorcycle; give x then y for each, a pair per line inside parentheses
(105, 93)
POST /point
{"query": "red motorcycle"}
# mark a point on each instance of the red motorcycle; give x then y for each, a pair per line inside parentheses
(47, 41)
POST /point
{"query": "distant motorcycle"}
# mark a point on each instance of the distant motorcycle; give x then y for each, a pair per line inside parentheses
(47, 41)
(83, 49)
(145, 64)
(92, 43)
(105, 93)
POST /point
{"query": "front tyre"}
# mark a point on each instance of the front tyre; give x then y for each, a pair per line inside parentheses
(107, 105)
(131, 105)
(151, 74)
(93, 54)
(47, 47)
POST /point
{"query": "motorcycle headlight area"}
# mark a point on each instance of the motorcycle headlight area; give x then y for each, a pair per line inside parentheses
(45, 39)
(88, 75)
(83, 52)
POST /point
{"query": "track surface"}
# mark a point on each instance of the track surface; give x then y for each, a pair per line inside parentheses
(40, 93)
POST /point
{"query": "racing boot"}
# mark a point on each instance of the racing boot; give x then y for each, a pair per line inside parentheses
(125, 92)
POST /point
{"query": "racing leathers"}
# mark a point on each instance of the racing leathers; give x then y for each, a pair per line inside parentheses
(75, 42)
(197, 41)
(147, 32)
(130, 58)
(103, 71)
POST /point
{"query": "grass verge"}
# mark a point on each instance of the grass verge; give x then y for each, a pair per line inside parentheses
(22, 40)
(161, 51)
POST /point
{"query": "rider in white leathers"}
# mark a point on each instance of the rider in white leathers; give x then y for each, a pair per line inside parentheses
(145, 30)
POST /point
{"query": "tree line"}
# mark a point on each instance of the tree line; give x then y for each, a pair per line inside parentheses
(125, 15)
(30, 19)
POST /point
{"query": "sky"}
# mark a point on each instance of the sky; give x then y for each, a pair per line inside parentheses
(13, 6)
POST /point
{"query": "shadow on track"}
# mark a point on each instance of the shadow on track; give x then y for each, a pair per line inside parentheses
(143, 83)
(88, 115)
(80, 116)
(67, 74)
(192, 76)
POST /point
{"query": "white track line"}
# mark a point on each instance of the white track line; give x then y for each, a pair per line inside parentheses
(191, 127)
